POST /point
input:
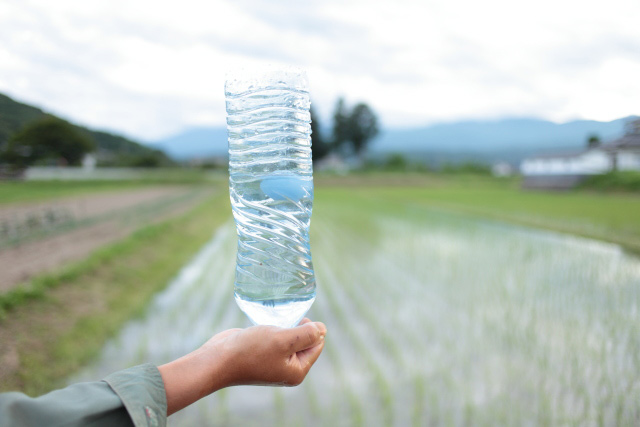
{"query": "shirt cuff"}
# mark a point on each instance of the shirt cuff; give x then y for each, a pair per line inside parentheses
(141, 390)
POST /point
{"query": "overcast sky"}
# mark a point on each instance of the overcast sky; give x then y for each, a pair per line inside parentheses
(149, 69)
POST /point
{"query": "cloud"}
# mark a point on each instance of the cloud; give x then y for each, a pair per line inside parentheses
(149, 69)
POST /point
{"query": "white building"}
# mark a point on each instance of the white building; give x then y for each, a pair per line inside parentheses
(89, 162)
(501, 169)
(589, 162)
(564, 170)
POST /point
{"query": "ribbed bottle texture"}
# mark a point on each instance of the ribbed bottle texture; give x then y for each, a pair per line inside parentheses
(271, 189)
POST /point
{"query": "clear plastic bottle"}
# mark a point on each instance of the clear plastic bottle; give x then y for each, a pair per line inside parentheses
(271, 188)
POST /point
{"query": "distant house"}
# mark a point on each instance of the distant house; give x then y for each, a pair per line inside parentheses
(501, 169)
(625, 151)
(332, 163)
(89, 162)
(563, 170)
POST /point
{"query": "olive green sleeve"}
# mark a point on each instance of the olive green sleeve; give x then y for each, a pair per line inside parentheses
(133, 397)
(141, 390)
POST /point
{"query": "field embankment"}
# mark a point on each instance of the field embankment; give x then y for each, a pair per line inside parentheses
(80, 258)
(39, 237)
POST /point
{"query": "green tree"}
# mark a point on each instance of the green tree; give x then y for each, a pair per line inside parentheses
(46, 139)
(319, 147)
(593, 141)
(341, 133)
(362, 127)
(152, 159)
(396, 162)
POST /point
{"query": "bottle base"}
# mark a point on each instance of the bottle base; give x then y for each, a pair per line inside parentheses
(283, 313)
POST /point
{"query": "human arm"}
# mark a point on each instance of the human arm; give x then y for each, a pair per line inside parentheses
(144, 395)
(260, 355)
(132, 397)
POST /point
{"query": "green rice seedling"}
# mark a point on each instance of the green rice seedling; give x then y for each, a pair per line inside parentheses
(383, 387)
(339, 371)
(312, 398)
(279, 405)
(419, 394)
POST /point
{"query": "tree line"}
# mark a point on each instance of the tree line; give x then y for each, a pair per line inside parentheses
(351, 131)
(30, 136)
(38, 138)
(53, 141)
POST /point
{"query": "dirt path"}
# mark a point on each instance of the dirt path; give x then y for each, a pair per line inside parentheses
(89, 205)
(82, 224)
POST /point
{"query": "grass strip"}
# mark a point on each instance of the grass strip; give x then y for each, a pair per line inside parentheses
(32, 191)
(61, 321)
(622, 181)
(609, 217)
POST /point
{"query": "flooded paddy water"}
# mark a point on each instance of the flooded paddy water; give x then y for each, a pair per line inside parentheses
(433, 318)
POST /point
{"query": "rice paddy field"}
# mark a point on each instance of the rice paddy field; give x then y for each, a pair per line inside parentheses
(435, 317)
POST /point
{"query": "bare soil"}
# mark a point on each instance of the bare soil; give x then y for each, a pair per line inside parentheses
(100, 219)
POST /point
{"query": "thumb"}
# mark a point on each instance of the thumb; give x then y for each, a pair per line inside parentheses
(305, 336)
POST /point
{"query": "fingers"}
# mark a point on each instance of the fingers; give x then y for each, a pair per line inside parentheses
(309, 356)
(304, 336)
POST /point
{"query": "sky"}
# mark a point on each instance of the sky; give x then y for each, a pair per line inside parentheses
(150, 69)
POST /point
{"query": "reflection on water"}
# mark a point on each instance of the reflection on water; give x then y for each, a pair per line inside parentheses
(443, 320)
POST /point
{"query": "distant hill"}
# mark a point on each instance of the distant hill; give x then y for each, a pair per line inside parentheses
(484, 141)
(197, 142)
(500, 135)
(509, 140)
(14, 115)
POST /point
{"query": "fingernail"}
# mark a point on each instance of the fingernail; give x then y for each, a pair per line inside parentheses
(322, 328)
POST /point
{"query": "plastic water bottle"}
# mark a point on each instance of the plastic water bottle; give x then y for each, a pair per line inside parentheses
(271, 189)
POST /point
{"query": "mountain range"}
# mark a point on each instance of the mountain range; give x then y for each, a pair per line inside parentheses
(509, 139)
(506, 139)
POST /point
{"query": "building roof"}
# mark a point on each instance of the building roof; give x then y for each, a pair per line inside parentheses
(629, 141)
(567, 154)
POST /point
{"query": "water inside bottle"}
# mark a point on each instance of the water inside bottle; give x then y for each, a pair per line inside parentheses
(275, 283)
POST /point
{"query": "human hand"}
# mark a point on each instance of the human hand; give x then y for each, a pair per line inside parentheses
(268, 355)
(265, 355)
